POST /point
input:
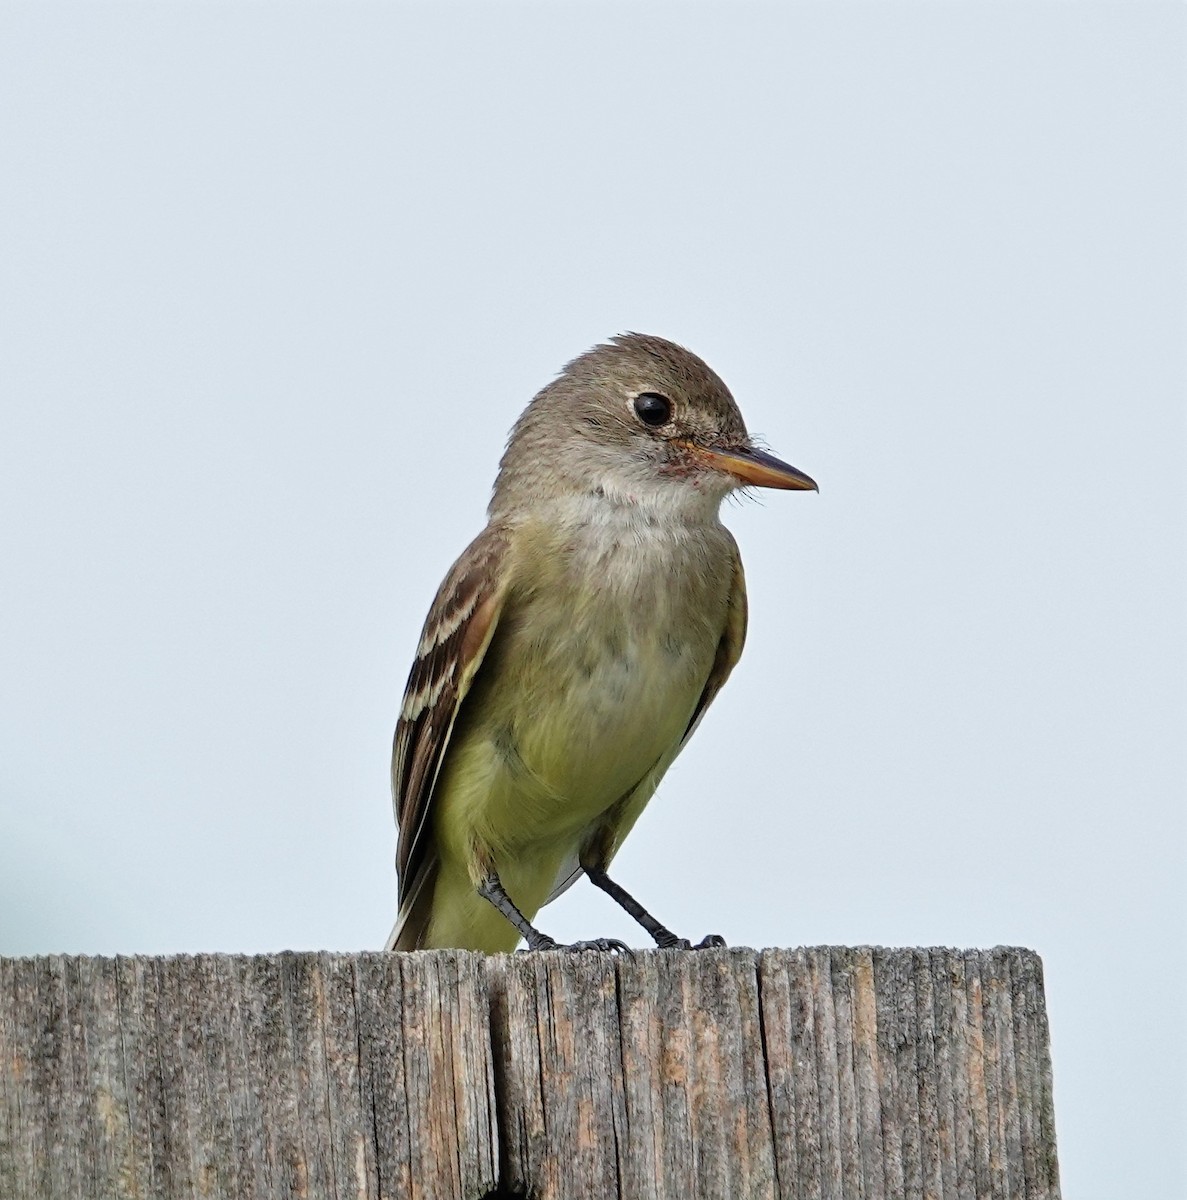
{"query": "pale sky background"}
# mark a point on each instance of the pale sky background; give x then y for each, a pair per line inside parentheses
(275, 280)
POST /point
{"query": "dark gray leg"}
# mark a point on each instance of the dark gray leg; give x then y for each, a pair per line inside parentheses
(665, 939)
(491, 888)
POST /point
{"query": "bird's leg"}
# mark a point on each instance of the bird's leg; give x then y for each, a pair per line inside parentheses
(491, 888)
(665, 939)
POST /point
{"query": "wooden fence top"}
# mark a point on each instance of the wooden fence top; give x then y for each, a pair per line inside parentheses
(814, 1073)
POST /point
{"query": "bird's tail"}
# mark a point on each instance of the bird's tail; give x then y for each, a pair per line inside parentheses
(412, 924)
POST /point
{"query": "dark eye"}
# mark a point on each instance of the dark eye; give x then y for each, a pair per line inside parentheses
(653, 409)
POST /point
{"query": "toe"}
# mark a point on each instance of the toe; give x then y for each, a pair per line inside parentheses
(602, 945)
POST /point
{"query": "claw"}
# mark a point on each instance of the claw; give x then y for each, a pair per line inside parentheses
(711, 941)
(602, 945)
(598, 945)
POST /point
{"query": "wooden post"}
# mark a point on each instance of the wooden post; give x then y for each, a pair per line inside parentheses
(822, 1073)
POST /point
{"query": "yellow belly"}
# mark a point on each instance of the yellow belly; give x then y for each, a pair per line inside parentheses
(562, 738)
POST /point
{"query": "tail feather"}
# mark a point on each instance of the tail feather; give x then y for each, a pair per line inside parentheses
(412, 924)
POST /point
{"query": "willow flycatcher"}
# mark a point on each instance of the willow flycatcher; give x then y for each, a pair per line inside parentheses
(574, 646)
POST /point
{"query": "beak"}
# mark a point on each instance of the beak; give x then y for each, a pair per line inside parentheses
(755, 467)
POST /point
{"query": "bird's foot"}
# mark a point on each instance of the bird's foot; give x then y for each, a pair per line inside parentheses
(597, 945)
(541, 941)
(602, 945)
(711, 941)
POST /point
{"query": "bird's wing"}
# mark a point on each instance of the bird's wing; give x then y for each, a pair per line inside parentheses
(455, 638)
(729, 650)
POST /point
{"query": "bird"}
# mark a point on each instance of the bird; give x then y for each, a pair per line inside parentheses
(573, 648)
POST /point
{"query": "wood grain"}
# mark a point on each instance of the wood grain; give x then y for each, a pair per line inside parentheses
(815, 1073)
(280, 1075)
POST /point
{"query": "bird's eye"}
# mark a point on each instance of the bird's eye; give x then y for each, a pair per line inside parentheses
(653, 409)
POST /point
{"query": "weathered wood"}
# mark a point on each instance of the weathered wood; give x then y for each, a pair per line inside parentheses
(644, 1076)
(813, 1074)
(278, 1075)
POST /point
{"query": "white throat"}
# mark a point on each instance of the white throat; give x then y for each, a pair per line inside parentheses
(672, 505)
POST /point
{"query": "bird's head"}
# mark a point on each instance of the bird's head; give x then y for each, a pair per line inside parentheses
(637, 420)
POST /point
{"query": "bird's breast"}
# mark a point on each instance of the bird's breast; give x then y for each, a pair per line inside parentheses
(599, 660)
